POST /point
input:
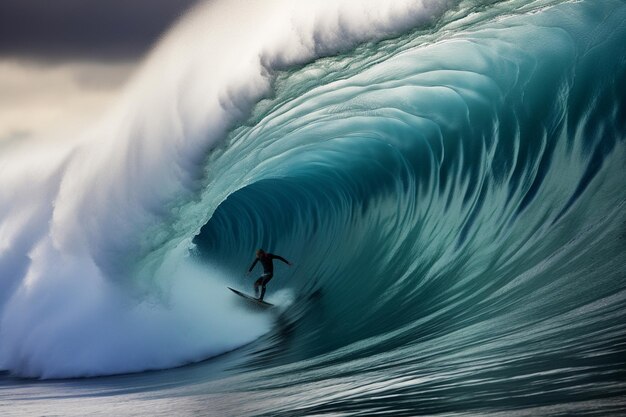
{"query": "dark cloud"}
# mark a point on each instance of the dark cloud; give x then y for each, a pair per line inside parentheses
(84, 29)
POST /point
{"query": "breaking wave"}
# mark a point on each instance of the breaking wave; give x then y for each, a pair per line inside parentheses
(448, 178)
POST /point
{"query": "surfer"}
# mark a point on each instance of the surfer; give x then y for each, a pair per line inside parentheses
(268, 270)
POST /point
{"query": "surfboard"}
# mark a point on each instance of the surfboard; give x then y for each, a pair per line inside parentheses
(251, 299)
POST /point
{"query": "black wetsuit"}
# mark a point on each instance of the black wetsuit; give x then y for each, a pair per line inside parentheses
(268, 271)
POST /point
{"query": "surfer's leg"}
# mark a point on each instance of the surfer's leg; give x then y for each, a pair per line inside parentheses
(266, 278)
(257, 284)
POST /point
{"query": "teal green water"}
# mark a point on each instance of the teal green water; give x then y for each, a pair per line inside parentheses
(454, 201)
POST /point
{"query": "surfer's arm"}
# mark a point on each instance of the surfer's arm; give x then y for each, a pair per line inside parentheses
(280, 258)
(253, 263)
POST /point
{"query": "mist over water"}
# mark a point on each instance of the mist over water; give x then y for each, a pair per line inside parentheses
(447, 177)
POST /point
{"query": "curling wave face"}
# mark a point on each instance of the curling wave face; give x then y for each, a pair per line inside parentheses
(449, 184)
(468, 180)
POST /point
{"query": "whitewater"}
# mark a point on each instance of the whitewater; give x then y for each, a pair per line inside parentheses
(448, 177)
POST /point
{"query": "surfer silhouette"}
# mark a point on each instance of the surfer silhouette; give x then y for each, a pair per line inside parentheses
(266, 260)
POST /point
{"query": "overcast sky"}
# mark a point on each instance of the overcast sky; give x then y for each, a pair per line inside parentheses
(62, 62)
